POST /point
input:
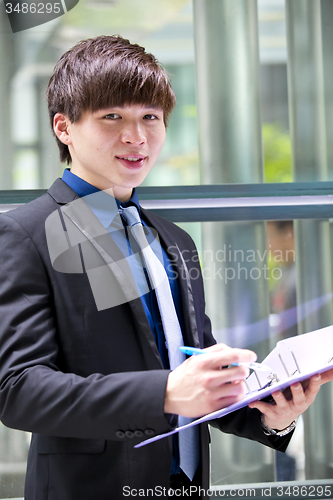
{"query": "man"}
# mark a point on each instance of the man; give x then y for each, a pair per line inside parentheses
(84, 365)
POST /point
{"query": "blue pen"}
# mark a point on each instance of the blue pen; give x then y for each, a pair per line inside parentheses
(254, 366)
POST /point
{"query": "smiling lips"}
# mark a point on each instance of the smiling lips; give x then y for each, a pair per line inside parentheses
(132, 161)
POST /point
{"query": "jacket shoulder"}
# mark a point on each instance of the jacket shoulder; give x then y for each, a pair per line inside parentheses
(32, 214)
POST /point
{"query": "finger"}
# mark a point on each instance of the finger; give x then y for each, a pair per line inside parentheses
(261, 406)
(280, 400)
(305, 392)
(224, 396)
(213, 379)
(215, 359)
(313, 387)
(327, 376)
(235, 389)
(315, 382)
(216, 348)
(224, 402)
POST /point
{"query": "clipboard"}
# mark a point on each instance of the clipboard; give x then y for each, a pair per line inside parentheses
(294, 359)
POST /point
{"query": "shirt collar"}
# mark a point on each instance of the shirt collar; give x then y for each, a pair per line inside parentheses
(102, 204)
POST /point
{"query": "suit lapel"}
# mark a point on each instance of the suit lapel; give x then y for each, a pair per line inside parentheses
(108, 271)
(169, 244)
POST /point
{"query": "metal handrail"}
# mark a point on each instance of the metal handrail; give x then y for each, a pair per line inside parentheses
(228, 202)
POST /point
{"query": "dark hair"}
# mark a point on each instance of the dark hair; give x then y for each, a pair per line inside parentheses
(284, 225)
(103, 72)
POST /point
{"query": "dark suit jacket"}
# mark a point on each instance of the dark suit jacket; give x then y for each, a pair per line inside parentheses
(89, 383)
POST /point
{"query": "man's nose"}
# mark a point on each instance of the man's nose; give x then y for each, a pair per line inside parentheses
(133, 134)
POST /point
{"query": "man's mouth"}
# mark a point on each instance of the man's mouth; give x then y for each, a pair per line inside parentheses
(132, 161)
(130, 158)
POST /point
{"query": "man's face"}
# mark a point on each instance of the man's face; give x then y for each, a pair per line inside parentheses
(114, 147)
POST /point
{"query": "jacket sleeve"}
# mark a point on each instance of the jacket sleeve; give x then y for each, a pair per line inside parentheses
(34, 394)
(246, 423)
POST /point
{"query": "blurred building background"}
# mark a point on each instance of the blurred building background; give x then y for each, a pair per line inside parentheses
(254, 87)
(29, 154)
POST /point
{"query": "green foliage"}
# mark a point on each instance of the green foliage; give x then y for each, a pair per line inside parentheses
(130, 18)
(277, 154)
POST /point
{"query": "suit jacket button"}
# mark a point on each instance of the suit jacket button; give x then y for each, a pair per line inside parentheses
(138, 433)
(129, 434)
(120, 434)
(149, 432)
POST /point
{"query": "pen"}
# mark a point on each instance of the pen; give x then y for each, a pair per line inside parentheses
(254, 366)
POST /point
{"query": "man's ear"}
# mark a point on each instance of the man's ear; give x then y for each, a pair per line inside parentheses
(61, 128)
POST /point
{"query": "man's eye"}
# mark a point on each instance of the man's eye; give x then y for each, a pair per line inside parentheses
(150, 117)
(112, 116)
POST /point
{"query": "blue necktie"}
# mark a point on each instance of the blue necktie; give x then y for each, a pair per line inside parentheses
(189, 438)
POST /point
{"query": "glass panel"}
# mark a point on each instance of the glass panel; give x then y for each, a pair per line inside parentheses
(29, 155)
(254, 299)
(13, 455)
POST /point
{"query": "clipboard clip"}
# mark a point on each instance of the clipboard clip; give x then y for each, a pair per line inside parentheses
(278, 345)
(273, 377)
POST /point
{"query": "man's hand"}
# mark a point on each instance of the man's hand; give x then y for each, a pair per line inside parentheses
(200, 385)
(280, 415)
(327, 376)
